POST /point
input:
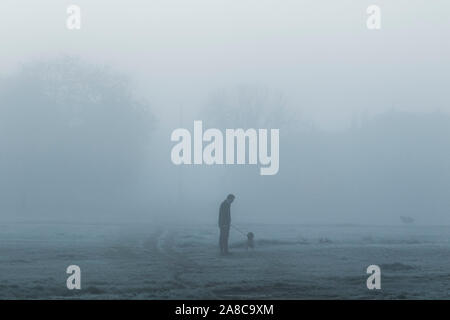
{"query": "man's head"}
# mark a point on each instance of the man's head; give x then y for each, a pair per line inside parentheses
(230, 198)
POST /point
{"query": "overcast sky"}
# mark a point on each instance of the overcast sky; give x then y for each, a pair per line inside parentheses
(318, 53)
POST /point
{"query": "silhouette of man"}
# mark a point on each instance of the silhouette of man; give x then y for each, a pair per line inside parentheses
(224, 223)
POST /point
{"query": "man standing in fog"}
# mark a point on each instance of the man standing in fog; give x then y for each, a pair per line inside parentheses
(224, 223)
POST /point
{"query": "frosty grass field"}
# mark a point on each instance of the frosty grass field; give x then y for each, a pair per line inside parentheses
(182, 262)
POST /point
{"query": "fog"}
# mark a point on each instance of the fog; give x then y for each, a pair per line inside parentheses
(86, 115)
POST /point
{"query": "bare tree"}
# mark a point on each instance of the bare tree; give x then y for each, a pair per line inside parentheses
(73, 135)
(247, 107)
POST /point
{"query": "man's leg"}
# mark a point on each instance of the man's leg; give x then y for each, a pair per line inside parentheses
(226, 236)
(221, 240)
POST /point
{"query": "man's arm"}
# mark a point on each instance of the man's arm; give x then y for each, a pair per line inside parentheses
(227, 218)
(221, 215)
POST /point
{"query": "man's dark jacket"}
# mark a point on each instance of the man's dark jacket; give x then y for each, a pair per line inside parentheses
(224, 214)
